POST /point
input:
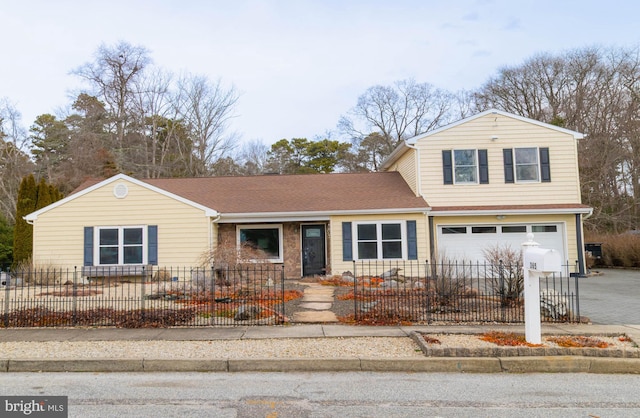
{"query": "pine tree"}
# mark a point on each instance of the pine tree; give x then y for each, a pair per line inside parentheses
(23, 232)
(44, 194)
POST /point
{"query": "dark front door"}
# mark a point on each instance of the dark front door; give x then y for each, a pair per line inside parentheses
(313, 250)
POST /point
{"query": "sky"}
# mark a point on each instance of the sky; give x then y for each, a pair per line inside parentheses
(297, 64)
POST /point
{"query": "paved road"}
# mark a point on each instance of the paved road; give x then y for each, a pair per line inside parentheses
(612, 298)
(341, 395)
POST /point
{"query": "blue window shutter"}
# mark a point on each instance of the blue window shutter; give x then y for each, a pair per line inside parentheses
(152, 244)
(545, 166)
(447, 167)
(483, 165)
(347, 242)
(507, 155)
(88, 246)
(412, 240)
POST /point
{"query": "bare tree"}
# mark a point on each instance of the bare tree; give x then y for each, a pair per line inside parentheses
(397, 112)
(14, 162)
(113, 76)
(593, 91)
(206, 109)
(254, 155)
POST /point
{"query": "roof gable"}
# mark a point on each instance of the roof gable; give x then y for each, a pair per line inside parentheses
(92, 185)
(406, 145)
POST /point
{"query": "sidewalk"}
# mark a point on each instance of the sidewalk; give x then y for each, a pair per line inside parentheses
(477, 364)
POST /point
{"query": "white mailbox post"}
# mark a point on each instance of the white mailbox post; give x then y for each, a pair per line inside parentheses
(537, 262)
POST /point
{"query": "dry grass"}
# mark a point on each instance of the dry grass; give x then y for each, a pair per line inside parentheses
(618, 250)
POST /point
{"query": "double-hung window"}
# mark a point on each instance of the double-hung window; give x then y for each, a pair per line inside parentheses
(121, 245)
(380, 240)
(465, 166)
(465, 163)
(526, 162)
(266, 238)
(526, 165)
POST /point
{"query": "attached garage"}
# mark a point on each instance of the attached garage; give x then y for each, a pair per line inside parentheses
(467, 242)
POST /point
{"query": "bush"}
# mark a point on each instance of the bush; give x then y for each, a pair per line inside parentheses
(507, 275)
(618, 250)
(41, 274)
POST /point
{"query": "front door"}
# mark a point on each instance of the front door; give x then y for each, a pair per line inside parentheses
(313, 250)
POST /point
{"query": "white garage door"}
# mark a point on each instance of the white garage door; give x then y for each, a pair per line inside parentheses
(467, 242)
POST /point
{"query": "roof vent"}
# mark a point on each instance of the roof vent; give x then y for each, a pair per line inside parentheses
(120, 190)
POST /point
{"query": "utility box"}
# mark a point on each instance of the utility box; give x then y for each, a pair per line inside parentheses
(595, 248)
(542, 260)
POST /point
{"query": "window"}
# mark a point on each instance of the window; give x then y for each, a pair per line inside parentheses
(483, 229)
(466, 166)
(376, 241)
(514, 229)
(121, 245)
(267, 238)
(526, 165)
(454, 230)
(526, 162)
(544, 228)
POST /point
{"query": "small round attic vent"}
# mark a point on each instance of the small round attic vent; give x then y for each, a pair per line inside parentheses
(120, 190)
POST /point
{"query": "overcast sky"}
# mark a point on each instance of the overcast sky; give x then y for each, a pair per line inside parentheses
(298, 64)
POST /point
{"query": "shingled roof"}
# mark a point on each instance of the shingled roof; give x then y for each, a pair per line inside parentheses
(296, 193)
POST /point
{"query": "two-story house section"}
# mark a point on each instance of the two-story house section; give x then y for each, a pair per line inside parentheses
(491, 179)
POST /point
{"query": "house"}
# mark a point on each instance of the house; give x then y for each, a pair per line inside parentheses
(493, 178)
(300, 221)
(488, 179)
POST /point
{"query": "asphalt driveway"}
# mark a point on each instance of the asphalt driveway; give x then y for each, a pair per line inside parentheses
(611, 298)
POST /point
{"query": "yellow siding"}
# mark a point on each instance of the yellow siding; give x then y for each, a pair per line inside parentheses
(569, 222)
(511, 133)
(406, 166)
(183, 231)
(338, 265)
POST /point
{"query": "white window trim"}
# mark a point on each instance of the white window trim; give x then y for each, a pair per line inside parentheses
(280, 258)
(454, 166)
(403, 239)
(96, 244)
(515, 165)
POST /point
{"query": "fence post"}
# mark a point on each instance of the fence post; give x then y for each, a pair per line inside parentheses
(74, 293)
(142, 293)
(282, 292)
(576, 276)
(355, 292)
(6, 298)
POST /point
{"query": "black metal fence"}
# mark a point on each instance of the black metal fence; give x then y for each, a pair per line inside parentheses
(143, 297)
(449, 292)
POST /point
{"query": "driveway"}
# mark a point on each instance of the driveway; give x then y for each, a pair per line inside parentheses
(611, 298)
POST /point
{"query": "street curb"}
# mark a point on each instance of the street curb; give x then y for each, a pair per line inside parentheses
(521, 364)
(295, 365)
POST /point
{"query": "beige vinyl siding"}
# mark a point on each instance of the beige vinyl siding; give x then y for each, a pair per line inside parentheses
(568, 221)
(406, 166)
(510, 133)
(183, 231)
(338, 265)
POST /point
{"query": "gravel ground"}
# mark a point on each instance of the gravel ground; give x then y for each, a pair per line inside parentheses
(474, 341)
(381, 347)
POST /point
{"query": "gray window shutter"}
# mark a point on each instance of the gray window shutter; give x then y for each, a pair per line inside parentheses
(545, 166)
(483, 165)
(447, 167)
(152, 244)
(412, 240)
(507, 155)
(347, 242)
(88, 246)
